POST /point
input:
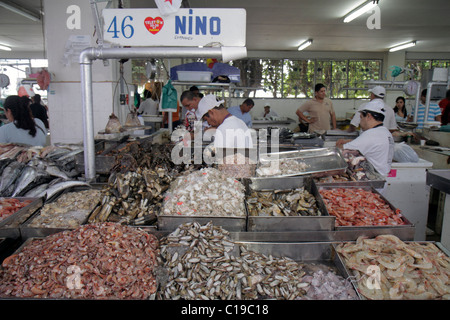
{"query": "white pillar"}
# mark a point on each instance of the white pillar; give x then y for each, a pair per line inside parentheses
(64, 93)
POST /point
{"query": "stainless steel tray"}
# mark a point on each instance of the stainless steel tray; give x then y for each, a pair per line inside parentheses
(287, 224)
(29, 231)
(319, 162)
(381, 229)
(351, 275)
(306, 252)
(376, 180)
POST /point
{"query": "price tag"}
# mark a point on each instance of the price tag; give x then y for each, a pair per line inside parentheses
(188, 27)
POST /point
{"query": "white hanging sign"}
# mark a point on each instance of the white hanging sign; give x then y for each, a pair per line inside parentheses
(187, 27)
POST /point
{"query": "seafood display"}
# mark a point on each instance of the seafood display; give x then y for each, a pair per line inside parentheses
(281, 203)
(359, 169)
(98, 261)
(281, 167)
(132, 195)
(359, 207)
(70, 210)
(26, 171)
(387, 268)
(205, 192)
(203, 263)
(9, 206)
(237, 166)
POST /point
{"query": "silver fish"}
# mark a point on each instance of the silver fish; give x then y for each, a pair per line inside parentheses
(10, 175)
(58, 187)
(53, 170)
(27, 176)
(36, 191)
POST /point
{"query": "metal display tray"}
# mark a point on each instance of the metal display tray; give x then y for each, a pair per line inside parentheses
(354, 281)
(287, 224)
(10, 226)
(303, 252)
(319, 161)
(29, 231)
(376, 179)
(408, 226)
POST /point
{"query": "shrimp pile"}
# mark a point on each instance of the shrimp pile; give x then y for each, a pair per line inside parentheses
(96, 261)
(9, 206)
(358, 207)
(387, 268)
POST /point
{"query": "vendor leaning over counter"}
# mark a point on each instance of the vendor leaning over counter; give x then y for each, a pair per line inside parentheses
(231, 131)
(375, 143)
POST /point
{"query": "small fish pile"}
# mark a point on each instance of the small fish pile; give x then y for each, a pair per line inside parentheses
(205, 192)
(97, 261)
(70, 210)
(9, 206)
(359, 207)
(237, 166)
(282, 203)
(202, 264)
(387, 268)
(135, 196)
(281, 167)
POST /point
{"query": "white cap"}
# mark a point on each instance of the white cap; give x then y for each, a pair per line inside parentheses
(378, 91)
(375, 106)
(207, 103)
(267, 104)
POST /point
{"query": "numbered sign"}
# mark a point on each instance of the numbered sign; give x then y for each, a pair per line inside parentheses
(188, 27)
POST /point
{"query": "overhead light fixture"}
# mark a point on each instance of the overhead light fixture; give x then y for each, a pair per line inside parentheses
(305, 44)
(366, 6)
(20, 10)
(3, 47)
(402, 46)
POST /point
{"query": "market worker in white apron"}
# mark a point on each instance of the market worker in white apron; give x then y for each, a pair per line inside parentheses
(375, 142)
(231, 131)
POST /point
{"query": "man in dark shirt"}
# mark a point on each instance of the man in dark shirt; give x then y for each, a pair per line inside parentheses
(38, 110)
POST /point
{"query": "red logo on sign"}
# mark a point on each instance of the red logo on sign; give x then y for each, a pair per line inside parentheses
(154, 25)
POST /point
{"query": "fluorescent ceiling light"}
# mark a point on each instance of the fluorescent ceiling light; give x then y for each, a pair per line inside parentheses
(3, 47)
(20, 10)
(305, 44)
(360, 10)
(402, 46)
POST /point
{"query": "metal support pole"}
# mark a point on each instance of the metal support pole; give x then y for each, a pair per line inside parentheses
(90, 54)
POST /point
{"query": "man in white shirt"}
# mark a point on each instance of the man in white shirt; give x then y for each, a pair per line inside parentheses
(231, 131)
(375, 143)
(377, 92)
(267, 113)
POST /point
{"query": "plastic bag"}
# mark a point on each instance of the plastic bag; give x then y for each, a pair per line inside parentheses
(404, 153)
(169, 98)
